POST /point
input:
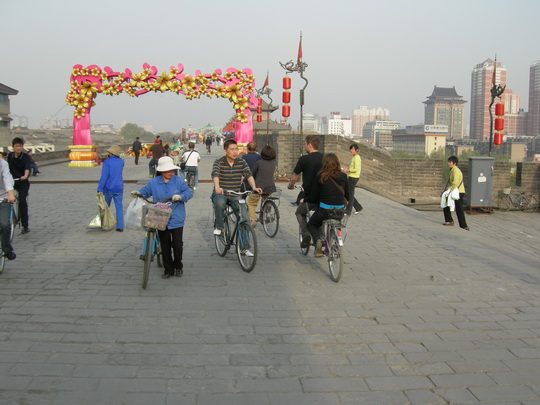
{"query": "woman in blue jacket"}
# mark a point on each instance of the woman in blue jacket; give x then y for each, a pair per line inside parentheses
(160, 188)
(111, 183)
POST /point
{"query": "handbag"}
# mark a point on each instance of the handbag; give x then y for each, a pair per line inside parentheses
(345, 202)
(183, 163)
(134, 213)
(108, 221)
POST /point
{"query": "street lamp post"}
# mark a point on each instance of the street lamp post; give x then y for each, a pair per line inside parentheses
(299, 67)
(496, 91)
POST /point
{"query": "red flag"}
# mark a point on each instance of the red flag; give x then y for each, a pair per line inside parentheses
(265, 81)
(300, 49)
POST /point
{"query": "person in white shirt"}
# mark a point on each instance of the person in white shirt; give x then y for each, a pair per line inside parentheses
(192, 158)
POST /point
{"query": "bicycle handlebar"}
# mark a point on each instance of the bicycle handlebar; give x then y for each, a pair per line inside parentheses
(150, 201)
(240, 193)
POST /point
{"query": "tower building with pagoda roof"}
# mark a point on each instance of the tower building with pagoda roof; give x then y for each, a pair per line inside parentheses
(446, 107)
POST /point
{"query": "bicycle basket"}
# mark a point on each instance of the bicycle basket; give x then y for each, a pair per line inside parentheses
(335, 213)
(156, 216)
(507, 190)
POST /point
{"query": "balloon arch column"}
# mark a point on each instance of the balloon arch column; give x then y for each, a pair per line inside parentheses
(87, 82)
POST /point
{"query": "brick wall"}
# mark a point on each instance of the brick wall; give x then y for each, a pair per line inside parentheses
(403, 179)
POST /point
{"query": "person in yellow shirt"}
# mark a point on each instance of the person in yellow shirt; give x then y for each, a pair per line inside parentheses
(455, 180)
(353, 176)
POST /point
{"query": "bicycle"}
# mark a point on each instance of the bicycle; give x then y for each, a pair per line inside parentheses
(15, 221)
(524, 202)
(334, 230)
(237, 231)
(190, 178)
(269, 213)
(151, 247)
(304, 250)
(334, 239)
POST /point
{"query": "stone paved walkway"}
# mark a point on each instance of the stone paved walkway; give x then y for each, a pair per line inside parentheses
(424, 314)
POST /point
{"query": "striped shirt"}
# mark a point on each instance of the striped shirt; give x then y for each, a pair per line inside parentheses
(230, 177)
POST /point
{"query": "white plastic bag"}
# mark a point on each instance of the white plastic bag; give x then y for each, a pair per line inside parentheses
(133, 217)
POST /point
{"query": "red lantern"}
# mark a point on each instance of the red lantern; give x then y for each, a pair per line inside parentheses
(259, 109)
(259, 101)
(286, 111)
(286, 97)
(498, 139)
(499, 124)
(286, 82)
(499, 109)
(259, 118)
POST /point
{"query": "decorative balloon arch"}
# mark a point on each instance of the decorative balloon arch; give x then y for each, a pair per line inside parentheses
(87, 82)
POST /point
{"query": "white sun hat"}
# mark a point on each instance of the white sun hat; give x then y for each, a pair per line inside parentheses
(165, 164)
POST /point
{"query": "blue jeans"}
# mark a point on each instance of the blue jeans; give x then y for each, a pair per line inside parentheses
(118, 205)
(5, 227)
(220, 201)
(193, 169)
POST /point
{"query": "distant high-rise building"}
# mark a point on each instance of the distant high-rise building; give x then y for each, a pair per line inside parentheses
(446, 107)
(338, 125)
(379, 132)
(481, 83)
(512, 102)
(363, 114)
(312, 123)
(533, 121)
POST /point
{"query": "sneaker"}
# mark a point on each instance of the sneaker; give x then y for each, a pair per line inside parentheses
(217, 232)
(11, 255)
(25, 230)
(178, 272)
(448, 223)
(248, 253)
(306, 239)
(166, 275)
(318, 248)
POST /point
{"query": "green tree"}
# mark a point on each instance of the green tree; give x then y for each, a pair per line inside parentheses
(131, 131)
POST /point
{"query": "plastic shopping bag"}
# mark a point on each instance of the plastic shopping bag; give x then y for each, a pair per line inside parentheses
(95, 223)
(133, 217)
(108, 221)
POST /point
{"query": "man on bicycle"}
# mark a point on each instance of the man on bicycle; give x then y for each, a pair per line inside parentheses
(6, 187)
(227, 174)
(191, 158)
(308, 165)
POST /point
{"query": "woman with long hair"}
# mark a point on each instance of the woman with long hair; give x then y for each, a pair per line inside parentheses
(330, 191)
(263, 173)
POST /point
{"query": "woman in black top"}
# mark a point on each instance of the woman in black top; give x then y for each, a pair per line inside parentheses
(329, 191)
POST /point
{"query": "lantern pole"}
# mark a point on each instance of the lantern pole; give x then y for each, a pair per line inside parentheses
(299, 67)
(266, 91)
(496, 92)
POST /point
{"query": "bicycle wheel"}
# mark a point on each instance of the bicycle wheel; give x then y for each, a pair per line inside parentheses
(147, 258)
(222, 241)
(305, 250)
(270, 218)
(246, 246)
(530, 203)
(158, 253)
(2, 262)
(505, 203)
(335, 256)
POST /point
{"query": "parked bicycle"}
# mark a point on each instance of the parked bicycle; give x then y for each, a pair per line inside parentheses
(334, 230)
(268, 215)
(238, 232)
(521, 201)
(15, 221)
(151, 247)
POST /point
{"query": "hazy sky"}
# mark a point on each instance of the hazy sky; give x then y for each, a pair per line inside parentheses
(387, 53)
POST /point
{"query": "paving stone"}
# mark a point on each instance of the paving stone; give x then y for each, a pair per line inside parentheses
(77, 328)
